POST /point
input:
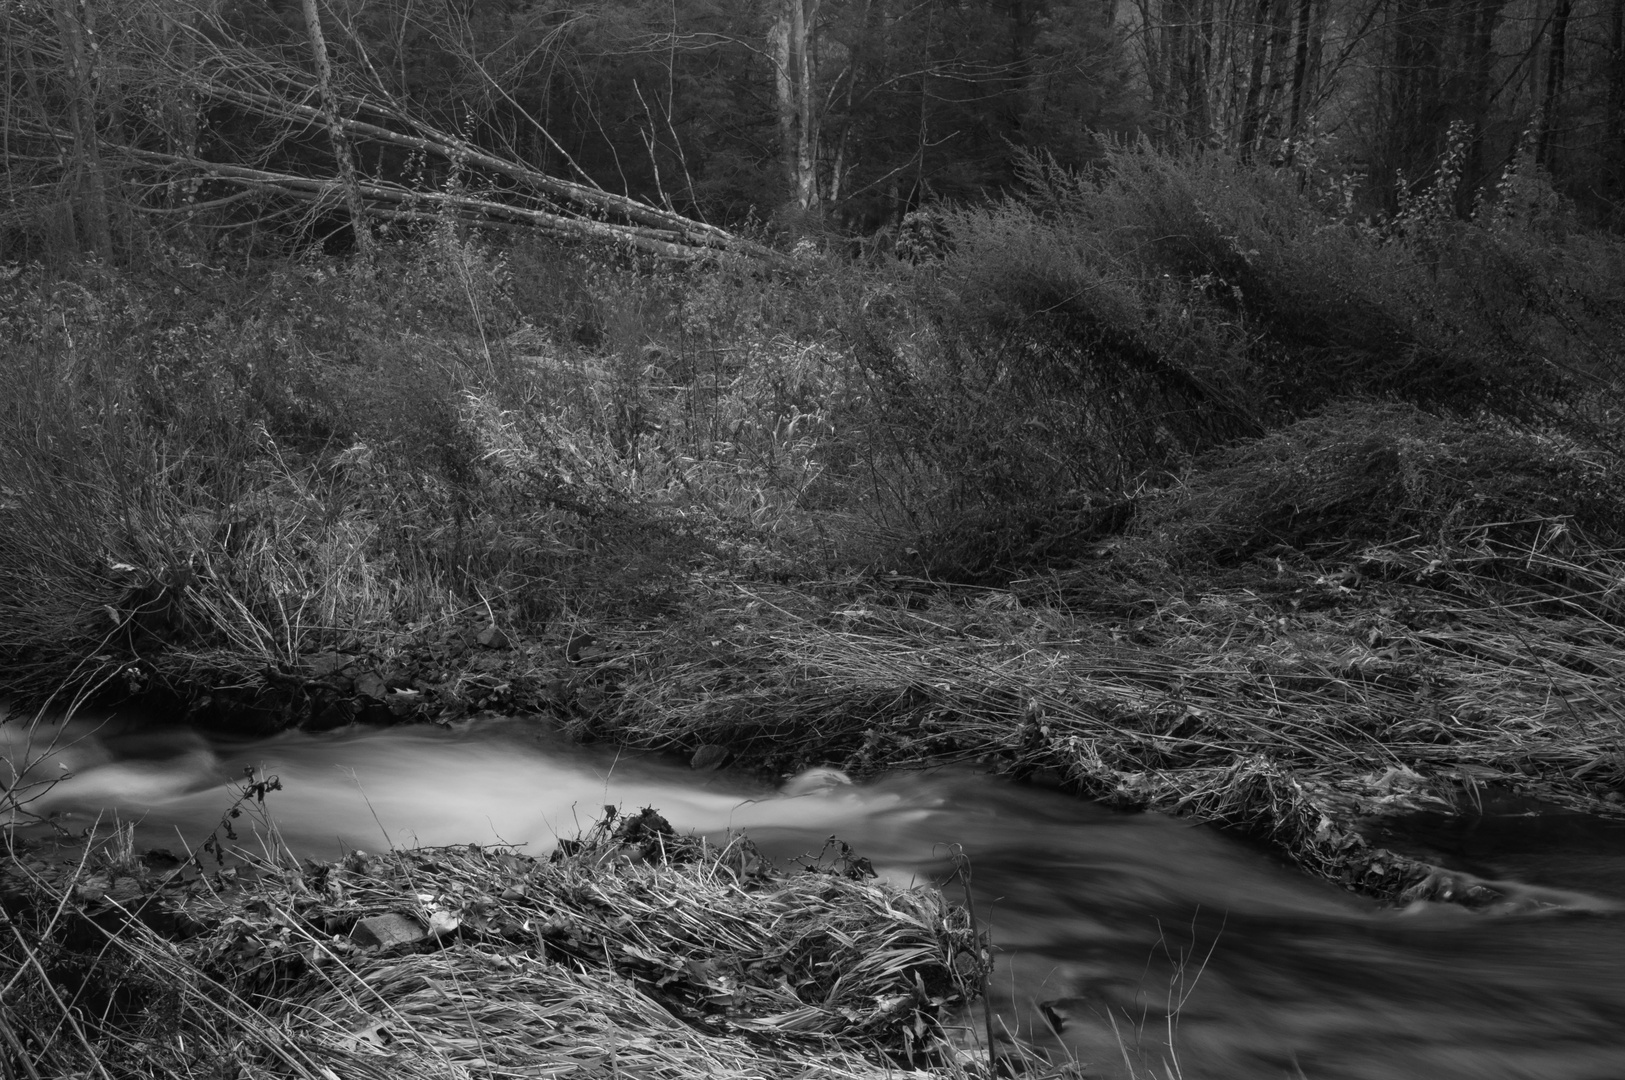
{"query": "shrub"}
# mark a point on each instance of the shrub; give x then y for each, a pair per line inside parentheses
(1178, 302)
(1366, 473)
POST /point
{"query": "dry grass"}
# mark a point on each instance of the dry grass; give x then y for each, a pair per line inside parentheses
(315, 517)
(196, 497)
(638, 953)
(1224, 706)
(1457, 635)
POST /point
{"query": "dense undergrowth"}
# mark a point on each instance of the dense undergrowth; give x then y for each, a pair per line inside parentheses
(1172, 478)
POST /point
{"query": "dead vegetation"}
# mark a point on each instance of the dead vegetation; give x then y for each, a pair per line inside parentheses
(880, 515)
(1369, 613)
(633, 951)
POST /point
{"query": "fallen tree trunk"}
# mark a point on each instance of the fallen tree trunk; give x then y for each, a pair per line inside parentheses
(670, 236)
(429, 140)
(245, 80)
(403, 203)
(192, 69)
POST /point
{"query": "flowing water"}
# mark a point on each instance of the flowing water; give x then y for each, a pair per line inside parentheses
(1137, 944)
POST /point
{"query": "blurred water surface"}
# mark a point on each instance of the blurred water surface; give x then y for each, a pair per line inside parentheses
(1136, 944)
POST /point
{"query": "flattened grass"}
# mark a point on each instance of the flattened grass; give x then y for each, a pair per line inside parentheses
(637, 952)
(1291, 642)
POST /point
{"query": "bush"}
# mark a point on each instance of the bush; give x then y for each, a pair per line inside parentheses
(1367, 473)
(1111, 322)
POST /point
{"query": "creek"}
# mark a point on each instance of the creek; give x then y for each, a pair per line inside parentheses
(1138, 944)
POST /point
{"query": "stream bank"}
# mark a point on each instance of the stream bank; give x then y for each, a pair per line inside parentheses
(1124, 944)
(1299, 525)
(632, 949)
(1312, 635)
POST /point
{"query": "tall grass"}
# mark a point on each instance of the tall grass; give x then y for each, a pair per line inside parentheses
(230, 471)
(1090, 336)
(206, 478)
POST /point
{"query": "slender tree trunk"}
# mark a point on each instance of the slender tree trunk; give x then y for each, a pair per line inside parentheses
(1315, 82)
(1412, 126)
(1251, 113)
(790, 43)
(335, 134)
(1275, 89)
(1153, 37)
(1556, 62)
(1224, 79)
(1616, 69)
(1480, 65)
(857, 62)
(784, 87)
(1189, 52)
(1300, 70)
(76, 26)
(7, 42)
(1176, 56)
(1616, 92)
(807, 136)
(1202, 75)
(916, 195)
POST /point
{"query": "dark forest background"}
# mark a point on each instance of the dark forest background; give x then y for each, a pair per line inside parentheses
(790, 114)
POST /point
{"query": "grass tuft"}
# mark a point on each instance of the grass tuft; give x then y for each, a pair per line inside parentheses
(632, 950)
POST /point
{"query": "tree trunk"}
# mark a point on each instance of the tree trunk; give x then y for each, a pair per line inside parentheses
(335, 134)
(1317, 80)
(1251, 113)
(807, 195)
(790, 40)
(1190, 48)
(1178, 59)
(916, 195)
(1200, 108)
(857, 62)
(1153, 38)
(1616, 69)
(1616, 92)
(1480, 65)
(1556, 62)
(1300, 70)
(1412, 126)
(76, 26)
(1223, 76)
(1280, 40)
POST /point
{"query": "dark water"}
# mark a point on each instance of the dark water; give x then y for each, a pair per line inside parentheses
(1155, 947)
